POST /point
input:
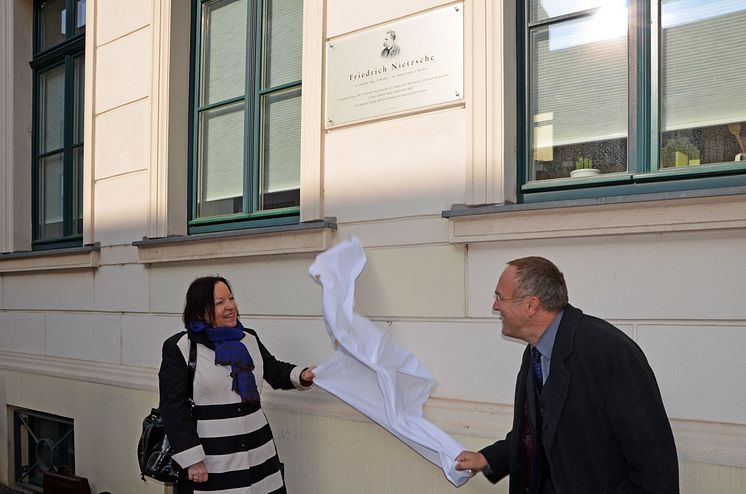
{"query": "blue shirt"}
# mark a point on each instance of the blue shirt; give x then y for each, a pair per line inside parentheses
(546, 344)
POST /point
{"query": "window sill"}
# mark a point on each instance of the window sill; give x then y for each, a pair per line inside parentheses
(710, 209)
(312, 236)
(85, 257)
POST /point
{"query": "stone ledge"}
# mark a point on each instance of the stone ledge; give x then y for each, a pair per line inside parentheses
(655, 213)
(86, 257)
(702, 442)
(311, 237)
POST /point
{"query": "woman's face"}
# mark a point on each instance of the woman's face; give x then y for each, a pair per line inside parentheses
(226, 311)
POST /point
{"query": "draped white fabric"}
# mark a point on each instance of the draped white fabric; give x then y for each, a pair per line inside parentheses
(369, 371)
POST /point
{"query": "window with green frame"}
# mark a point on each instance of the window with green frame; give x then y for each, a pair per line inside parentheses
(631, 96)
(58, 66)
(245, 126)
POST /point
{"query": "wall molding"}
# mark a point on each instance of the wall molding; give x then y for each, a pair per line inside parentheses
(6, 126)
(312, 237)
(85, 257)
(589, 218)
(489, 72)
(89, 127)
(159, 121)
(700, 442)
(312, 112)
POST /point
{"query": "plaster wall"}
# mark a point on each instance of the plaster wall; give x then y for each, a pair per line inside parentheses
(104, 420)
(90, 338)
(377, 461)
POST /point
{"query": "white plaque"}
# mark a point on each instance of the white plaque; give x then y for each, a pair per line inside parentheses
(398, 67)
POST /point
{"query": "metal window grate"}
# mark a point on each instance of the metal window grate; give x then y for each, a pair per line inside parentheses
(42, 443)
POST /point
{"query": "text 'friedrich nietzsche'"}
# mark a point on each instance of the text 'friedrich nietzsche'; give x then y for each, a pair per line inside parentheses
(392, 66)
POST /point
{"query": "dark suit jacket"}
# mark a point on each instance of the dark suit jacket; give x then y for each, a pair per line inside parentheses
(604, 427)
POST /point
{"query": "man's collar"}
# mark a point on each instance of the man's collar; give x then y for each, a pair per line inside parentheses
(546, 342)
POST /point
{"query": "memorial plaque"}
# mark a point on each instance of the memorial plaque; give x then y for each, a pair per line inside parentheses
(396, 68)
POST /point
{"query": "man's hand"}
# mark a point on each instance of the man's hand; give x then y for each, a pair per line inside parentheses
(197, 472)
(306, 377)
(469, 460)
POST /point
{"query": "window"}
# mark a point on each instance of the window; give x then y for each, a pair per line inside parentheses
(57, 136)
(631, 96)
(41, 442)
(246, 118)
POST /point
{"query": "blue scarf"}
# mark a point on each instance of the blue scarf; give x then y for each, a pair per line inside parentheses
(230, 350)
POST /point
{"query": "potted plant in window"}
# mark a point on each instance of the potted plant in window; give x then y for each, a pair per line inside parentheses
(679, 152)
(584, 168)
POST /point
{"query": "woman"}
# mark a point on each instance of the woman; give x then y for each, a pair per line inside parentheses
(224, 441)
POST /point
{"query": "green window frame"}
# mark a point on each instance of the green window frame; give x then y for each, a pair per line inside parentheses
(629, 81)
(58, 73)
(245, 124)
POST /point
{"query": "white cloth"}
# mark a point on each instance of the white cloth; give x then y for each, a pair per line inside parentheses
(369, 371)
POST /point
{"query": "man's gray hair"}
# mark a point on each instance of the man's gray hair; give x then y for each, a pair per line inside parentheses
(392, 33)
(541, 278)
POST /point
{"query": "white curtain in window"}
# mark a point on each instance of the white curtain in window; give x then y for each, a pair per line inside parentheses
(283, 41)
(579, 71)
(281, 141)
(579, 79)
(222, 152)
(702, 66)
(52, 109)
(224, 51)
(52, 183)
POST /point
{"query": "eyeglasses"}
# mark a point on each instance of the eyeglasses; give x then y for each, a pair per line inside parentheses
(500, 300)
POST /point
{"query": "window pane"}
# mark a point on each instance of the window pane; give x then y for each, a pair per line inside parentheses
(283, 39)
(221, 160)
(78, 190)
(52, 19)
(578, 97)
(79, 79)
(50, 196)
(281, 149)
(544, 9)
(52, 109)
(79, 16)
(703, 97)
(223, 52)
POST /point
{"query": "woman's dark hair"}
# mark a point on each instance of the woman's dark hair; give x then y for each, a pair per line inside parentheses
(200, 299)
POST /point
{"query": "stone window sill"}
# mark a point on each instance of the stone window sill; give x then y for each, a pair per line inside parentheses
(307, 237)
(85, 257)
(713, 209)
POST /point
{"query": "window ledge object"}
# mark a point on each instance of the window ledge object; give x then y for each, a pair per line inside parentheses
(85, 257)
(310, 236)
(710, 209)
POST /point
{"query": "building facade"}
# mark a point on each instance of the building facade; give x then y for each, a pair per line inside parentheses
(144, 143)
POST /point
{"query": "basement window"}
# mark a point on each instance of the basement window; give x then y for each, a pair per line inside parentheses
(41, 443)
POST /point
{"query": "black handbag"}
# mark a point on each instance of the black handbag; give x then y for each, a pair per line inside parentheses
(154, 451)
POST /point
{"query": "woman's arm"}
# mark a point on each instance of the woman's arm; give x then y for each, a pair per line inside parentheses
(282, 375)
(173, 384)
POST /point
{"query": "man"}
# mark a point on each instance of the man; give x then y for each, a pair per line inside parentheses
(390, 48)
(588, 414)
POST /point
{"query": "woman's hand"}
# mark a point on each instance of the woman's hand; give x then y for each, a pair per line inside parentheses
(306, 377)
(197, 472)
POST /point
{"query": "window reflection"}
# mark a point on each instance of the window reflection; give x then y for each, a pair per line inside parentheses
(578, 99)
(703, 97)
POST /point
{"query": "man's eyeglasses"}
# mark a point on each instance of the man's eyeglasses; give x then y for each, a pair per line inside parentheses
(500, 300)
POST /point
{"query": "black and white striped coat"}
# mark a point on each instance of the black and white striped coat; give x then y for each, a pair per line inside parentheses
(232, 438)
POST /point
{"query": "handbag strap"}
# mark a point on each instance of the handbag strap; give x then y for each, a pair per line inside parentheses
(192, 368)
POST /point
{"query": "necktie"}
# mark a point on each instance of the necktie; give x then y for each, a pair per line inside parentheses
(536, 363)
